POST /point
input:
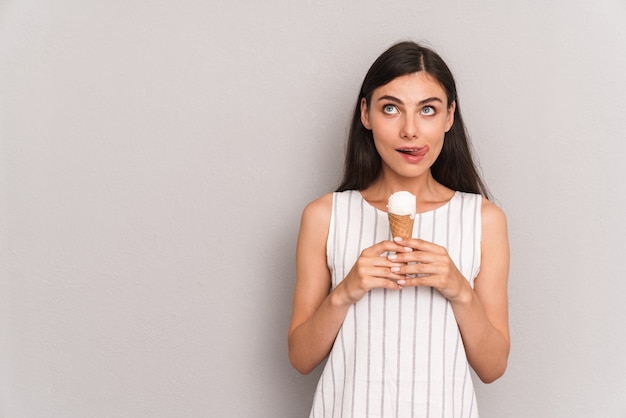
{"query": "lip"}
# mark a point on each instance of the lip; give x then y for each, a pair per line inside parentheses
(413, 154)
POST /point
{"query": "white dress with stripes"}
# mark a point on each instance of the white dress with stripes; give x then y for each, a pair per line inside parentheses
(399, 353)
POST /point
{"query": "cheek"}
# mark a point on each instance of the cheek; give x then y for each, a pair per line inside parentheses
(380, 145)
(383, 132)
(435, 132)
(384, 146)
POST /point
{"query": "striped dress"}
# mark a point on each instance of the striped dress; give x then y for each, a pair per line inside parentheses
(399, 353)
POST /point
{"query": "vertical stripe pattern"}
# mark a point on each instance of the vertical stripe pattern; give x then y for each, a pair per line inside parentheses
(399, 353)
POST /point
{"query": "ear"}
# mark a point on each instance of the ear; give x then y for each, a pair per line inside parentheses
(450, 116)
(365, 117)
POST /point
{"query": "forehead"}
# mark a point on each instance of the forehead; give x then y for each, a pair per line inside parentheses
(412, 87)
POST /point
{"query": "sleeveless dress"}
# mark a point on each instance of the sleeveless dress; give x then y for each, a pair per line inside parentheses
(399, 353)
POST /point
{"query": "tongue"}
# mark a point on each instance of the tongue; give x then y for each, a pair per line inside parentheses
(410, 152)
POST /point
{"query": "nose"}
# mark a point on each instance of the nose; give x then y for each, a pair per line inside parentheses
(409, 128)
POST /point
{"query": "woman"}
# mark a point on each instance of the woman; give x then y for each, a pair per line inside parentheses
(402, 320)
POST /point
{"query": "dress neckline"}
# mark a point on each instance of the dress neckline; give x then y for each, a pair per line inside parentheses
(445, 204)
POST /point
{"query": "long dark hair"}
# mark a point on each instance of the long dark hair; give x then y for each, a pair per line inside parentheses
(454, 168)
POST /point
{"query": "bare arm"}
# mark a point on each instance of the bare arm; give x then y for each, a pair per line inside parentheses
(483, 314)
(313, 326)
(318, 313)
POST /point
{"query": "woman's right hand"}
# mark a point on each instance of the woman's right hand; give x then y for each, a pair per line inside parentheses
(318, 312)
(373, 269)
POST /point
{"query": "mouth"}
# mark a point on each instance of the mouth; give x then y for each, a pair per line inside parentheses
(414, 152)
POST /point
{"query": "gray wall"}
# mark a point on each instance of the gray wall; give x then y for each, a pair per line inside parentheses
(155, 158)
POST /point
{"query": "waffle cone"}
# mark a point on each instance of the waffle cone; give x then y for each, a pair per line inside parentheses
(401, 225)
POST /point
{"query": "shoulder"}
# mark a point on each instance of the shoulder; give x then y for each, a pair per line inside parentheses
(319, 210)
(492, 216)
(314, 226)
(315, 220)
(494, 230)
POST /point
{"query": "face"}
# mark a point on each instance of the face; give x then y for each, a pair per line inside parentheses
(408, 117)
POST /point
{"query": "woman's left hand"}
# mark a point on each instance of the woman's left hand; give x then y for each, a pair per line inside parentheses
(430, 265)
(481, 312)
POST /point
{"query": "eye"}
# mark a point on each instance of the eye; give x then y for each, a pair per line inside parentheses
(390, 109)
(428, 110)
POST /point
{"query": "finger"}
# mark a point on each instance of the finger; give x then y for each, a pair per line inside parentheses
(385, 283)
(391, 274)
(419, 244)
(420, 257)
(423, 280)
(384, 271)
(429, 269)
(412, 269)
(391, 284)
(386, 261)
(397, 258)
(383, 247)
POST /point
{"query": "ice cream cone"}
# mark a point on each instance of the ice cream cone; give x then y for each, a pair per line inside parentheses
(401, 225)
(401, 212)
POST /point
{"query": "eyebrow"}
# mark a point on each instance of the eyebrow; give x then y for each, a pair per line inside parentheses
(422, 102)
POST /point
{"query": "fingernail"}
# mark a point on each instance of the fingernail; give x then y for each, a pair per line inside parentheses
(408, 249)
(397, 239)
(395, 269)
(401, 282)
(392, 256)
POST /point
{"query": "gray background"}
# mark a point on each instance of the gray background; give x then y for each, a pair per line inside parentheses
(156, 156)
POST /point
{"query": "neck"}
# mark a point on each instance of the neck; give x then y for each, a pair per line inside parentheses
(424, 187)
(429, 193)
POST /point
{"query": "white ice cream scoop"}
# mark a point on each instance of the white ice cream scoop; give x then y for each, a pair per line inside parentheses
(401, 203)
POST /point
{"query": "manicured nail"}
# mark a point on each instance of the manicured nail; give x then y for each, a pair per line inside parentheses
(392, 256)
(395, 269)
(401, 282)
(397, 239)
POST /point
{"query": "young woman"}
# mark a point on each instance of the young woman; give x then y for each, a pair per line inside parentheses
(401, 321)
